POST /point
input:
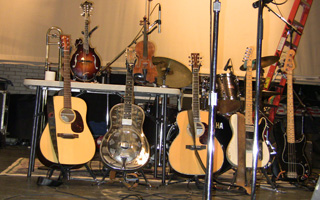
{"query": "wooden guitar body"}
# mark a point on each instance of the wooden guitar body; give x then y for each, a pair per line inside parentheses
(84, 66)
(182, 157)
(74, 140)
(125, 141)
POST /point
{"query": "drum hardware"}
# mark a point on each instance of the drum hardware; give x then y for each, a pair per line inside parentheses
(228, 93)
(230, 67)
(265, 62)
(53, 38)
(172, 72)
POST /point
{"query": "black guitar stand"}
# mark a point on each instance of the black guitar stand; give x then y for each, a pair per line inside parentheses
(129, 179)
(189, 180)
(65, 174)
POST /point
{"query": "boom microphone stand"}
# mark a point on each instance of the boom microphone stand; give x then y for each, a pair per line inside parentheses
(212, 101)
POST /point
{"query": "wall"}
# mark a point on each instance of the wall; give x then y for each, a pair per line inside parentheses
(185, 29)
(17, 73)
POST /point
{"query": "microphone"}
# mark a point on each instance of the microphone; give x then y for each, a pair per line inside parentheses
(159, 19)
(256, 4)
(227, 65)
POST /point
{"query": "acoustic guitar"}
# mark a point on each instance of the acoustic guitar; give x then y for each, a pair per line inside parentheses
(72, 143)
(192, 138)
(85, 63)
(125, 147)
(292, 159)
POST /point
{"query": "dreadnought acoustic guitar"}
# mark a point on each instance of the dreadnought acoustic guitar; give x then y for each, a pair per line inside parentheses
(293, 162)
(188, 151)
(85, 63)
(125, 147)
(72, 142)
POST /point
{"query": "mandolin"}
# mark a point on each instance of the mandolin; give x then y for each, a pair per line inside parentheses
(125, 147)
(85, 63)
(72, 143)
(145, 71)
(192, 138)
(293, 162)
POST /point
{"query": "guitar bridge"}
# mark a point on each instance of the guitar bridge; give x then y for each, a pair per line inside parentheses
(68, 135)
(198, 147)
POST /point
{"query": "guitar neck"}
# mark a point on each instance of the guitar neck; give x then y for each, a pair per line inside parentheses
(128, 98)
(290, 110)
(195, 95)
(86, 37)
(248, 114)
(66, 80)
(145, 39)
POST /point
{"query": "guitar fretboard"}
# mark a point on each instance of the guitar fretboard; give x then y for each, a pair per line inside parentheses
(290, 110)
(195, 95)
(66, 78)
(248, 64)
(128, 97)
(86, 37)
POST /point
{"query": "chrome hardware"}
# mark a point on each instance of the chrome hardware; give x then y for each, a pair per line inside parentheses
(53, 38)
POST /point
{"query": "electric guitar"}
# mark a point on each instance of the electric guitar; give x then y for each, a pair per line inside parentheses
(232, 150)
(239, 150)
(192, 138)
(72, 143)
(125, 147)
(85, 63)
(293, 162)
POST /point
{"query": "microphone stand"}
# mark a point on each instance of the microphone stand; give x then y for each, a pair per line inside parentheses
(212, 102)
(255, 148)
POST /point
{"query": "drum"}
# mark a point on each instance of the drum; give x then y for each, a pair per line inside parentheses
(228, 93)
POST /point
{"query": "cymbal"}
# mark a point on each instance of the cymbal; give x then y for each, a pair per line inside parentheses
(177, 74)
(265, 61)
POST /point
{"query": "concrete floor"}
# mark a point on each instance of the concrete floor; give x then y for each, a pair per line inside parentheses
(12, 187)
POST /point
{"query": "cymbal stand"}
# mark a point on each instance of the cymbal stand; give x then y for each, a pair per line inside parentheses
(212, 100)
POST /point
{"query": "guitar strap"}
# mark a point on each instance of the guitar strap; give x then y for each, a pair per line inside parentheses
(193, 133)
(46, 181)
(52, 126)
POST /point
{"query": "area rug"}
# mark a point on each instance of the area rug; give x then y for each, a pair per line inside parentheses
(20, 168)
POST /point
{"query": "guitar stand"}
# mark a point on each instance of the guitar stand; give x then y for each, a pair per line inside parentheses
(129, 180)
(269, 181)
(64, 175)
(194, 179)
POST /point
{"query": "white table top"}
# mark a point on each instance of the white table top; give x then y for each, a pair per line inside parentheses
(99, 88)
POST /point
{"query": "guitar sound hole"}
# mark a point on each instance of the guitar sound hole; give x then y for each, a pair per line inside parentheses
(67, 115)
(199, 129)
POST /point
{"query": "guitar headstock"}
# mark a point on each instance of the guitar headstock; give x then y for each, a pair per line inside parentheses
(131, 56)
(247, 58)
(65, 42)
(289, 63)
(195, 60)
(86, 8)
